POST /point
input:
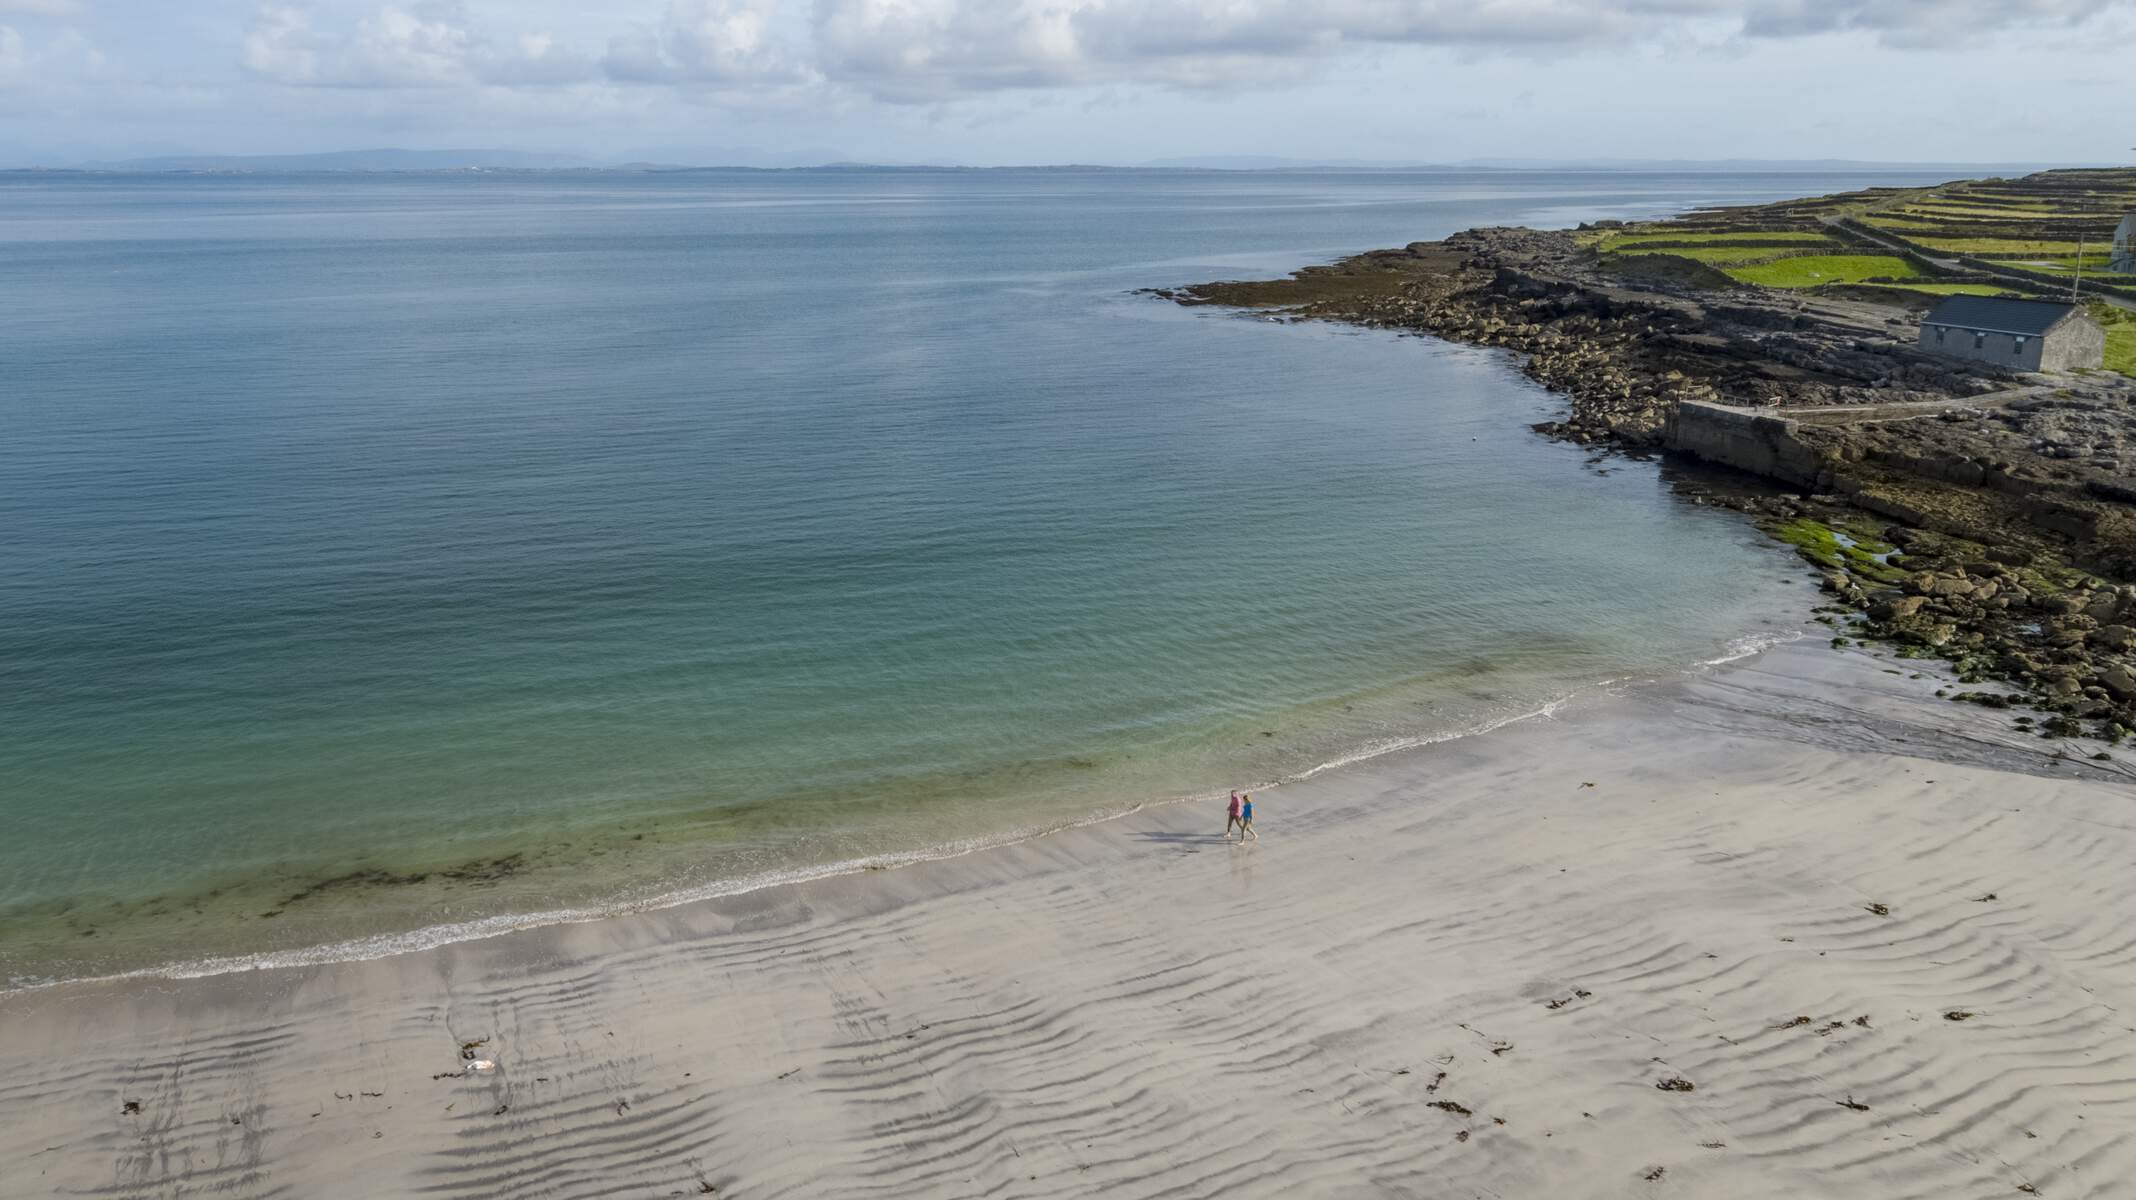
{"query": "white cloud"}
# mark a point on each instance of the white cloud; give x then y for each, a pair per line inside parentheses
(438, 43)
(930, 49)
(45, 65)
(926, 50)
(1914, 24)
(281, 46)
(535, 59)
(429, 44)
(704, 42)
(41, 8)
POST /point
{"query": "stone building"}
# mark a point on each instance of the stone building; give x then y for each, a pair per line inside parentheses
(2018, 335)
(2124, 259)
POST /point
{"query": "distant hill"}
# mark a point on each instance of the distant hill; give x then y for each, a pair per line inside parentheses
(688, 155)
(1745, 164)
(1265, 162)
(1253, 162)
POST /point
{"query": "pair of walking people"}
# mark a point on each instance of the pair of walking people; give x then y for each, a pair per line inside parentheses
(1240, 814)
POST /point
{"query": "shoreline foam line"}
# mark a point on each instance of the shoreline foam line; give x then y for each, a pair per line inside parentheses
(1752, 644)
(430, 937)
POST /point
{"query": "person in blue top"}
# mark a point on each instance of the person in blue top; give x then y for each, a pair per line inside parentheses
(1246, 820)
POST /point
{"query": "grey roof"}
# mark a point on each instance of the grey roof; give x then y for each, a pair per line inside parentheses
(1993, 314)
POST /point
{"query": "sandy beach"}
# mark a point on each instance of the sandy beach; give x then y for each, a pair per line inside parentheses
(1788, 927)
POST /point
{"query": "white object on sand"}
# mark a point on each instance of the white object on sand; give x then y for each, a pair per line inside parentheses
(481, 1064)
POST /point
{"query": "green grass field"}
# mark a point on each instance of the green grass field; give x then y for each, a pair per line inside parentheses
(2066, 265)
(2121, 350)
(2092, 262)
(2120, 337)
(1712, 256)
(1954, 289)
(1618, 241)
(1814, 269)
(1999, 246)
(1946, 208)
(1905, 225)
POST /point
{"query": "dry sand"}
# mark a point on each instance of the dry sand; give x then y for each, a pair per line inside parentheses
(1467, 970)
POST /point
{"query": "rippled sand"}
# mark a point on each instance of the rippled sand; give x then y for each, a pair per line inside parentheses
(1882, 941)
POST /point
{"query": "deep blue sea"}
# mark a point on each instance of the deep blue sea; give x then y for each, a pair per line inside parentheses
(387, 553)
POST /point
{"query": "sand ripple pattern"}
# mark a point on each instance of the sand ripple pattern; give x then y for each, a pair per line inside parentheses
(1716, 939)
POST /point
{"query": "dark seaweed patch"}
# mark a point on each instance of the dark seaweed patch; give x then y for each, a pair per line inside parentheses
(481, 870)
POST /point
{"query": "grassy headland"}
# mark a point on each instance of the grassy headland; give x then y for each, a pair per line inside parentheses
(2025, 235)
(1954, 508)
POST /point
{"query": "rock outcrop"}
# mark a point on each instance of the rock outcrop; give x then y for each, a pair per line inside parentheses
(2013, 498)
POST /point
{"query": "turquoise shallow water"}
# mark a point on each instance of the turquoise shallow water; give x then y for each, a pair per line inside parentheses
(384, 552)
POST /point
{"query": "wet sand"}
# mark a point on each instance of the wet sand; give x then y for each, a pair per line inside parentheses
(1791, 927)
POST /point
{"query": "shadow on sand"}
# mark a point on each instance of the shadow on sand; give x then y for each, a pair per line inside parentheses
(1183, 839)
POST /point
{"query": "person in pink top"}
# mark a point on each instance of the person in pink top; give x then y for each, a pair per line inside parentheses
(1231, 818)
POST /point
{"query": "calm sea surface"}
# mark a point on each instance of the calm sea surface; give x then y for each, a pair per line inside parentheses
(385, 553)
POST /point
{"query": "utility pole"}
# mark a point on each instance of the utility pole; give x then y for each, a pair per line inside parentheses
(2077, 278)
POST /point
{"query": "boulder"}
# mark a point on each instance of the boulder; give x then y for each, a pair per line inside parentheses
(2120, 681)
(1897, 607)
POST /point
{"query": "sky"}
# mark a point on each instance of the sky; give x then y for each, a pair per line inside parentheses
(992, 82)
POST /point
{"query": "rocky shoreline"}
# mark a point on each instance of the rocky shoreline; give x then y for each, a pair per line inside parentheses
(1954, 510)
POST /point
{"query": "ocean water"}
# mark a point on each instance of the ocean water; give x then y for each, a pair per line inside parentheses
(387, 553)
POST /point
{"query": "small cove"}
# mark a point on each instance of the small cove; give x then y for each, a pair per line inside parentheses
(388, 554)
